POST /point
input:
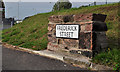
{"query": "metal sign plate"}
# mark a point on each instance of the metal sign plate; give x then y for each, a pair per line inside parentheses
(67, 31)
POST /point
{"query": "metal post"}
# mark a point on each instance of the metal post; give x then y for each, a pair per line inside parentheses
(11, 24)
(58, 6)
(18, 8)
(94, 3)
(106, 1)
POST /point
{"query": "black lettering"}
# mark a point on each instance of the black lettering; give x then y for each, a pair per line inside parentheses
(63, 33)
(68, 28)
(71, 28)
(58, 27)
(71, 34)
(67, 34)
(75, 29)
(60, 33)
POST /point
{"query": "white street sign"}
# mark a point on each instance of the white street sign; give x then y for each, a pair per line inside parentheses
(67, 31)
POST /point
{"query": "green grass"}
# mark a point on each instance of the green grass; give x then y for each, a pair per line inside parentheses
(109, 58)
(34, 29)
(32, 32)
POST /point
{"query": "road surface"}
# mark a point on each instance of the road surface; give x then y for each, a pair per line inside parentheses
(18, 60)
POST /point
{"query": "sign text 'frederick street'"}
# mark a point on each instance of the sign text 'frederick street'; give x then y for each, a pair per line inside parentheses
(67, 31)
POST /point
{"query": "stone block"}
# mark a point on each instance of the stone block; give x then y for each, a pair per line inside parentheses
(52, 39)
(56, 19)
(71, 43)
(94, 26)
(82, 28)
(61, 18)
(85, 40)
(99, 26)
(99, 17)
(100, 41)
(89, 17)
(68, 18)
(88, 27)
(82, 17)
(52, 46)
(51, 26)
(60, 41)
(86, 53)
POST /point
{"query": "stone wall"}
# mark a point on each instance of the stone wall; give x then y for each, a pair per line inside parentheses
(92, 37)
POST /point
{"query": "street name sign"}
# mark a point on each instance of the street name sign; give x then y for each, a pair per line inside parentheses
(67, 31)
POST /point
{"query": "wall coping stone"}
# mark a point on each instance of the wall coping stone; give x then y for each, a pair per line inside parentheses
(77, 18)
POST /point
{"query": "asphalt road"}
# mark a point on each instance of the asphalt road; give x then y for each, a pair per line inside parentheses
(18, 60)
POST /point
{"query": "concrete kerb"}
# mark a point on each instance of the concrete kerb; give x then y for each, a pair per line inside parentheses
(45, 53)
(50, 54)
(81, 61)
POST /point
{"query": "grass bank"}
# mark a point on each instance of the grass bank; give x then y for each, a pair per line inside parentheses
(32, 32)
